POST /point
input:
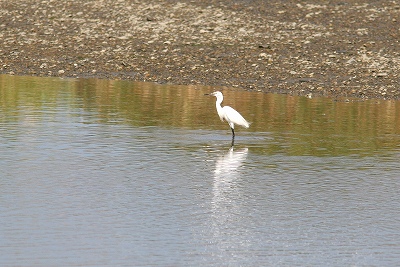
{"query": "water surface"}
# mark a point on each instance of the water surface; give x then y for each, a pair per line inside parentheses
(115, 173)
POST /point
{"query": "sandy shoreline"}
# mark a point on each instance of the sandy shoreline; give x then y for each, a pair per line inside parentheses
(331, 49)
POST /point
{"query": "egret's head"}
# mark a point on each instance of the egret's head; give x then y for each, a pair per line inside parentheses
(217, 94)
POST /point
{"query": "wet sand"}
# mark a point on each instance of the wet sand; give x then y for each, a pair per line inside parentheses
(318, 48)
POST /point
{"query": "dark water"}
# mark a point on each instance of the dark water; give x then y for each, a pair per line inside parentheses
(113, 173)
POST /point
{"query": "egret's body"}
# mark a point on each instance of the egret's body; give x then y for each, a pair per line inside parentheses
(229, 114)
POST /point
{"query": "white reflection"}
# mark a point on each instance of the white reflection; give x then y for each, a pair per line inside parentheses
(226, 166)
(227, 203)
(226, 176)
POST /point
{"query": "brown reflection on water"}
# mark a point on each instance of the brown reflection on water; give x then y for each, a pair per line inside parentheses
(296, 125)
(143, 104)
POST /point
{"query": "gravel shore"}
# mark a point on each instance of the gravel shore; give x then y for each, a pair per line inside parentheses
(324, 48)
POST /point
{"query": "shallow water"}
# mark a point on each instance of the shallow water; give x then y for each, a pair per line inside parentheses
(115, 173)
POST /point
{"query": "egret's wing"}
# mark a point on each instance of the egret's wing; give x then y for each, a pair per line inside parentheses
(232, 115)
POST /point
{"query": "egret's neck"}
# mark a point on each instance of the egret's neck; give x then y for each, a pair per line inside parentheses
(219, 108)
(218, 102)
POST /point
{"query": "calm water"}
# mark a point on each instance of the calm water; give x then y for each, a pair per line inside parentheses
(113, 173)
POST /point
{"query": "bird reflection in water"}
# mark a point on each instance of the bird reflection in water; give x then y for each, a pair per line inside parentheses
(226, 176)
(230, 162)
(227, 201)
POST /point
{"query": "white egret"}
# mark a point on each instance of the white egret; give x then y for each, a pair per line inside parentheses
(229, 114)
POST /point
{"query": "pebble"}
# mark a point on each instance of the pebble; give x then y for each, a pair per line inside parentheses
(381, 74)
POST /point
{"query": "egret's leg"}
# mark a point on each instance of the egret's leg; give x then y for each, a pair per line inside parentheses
(233, 137)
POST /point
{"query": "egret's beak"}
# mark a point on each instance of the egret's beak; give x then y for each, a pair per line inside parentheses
(207, 94)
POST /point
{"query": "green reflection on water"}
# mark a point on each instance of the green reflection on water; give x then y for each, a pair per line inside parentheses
(293, 125)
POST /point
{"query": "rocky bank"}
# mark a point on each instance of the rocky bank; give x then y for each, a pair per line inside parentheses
(324, 48)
